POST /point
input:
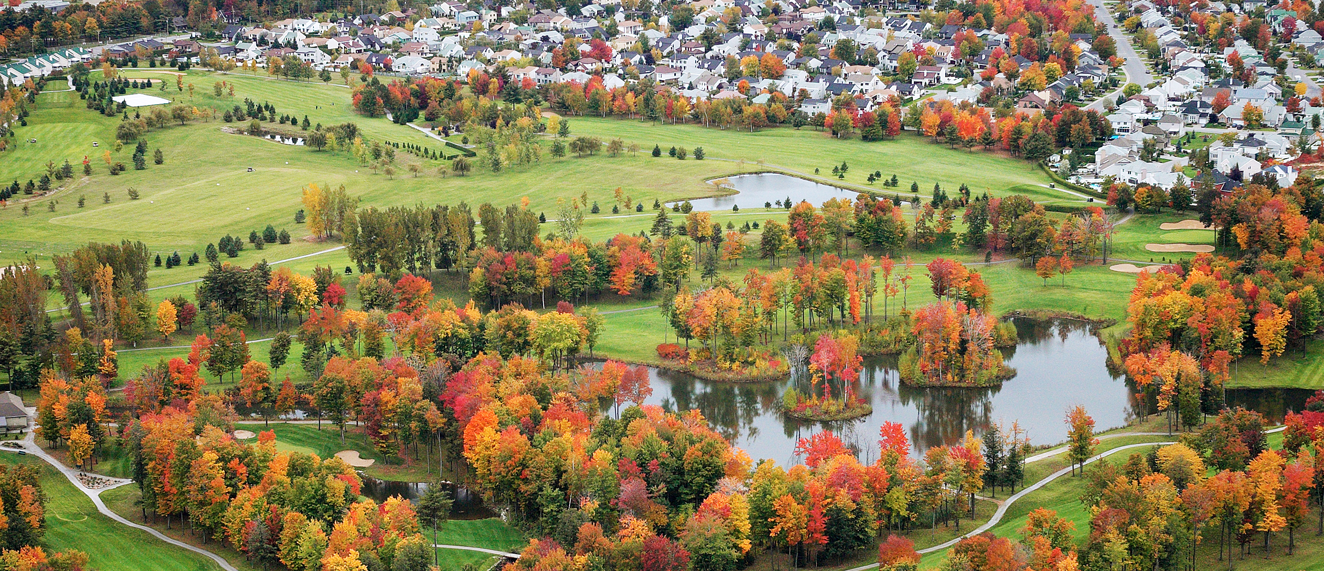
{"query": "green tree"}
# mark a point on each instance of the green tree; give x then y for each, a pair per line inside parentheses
(433, 509)
(280, 350)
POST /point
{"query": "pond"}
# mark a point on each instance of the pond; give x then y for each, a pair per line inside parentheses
(755, 190)
(465, 503)
(1058, 363)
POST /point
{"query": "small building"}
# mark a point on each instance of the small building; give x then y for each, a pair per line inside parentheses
(11, 408)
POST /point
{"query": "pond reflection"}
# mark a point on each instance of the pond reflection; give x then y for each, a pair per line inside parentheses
(1058, 363)
(465, 504)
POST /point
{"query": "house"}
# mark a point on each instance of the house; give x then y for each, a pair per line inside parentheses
(546, 76)
(1172, 125)
(665, 74)
(927, 75)
(15, 415)
(815, 106)
(466, 18)
(314, 57)
(412, 65)
(1123, 123)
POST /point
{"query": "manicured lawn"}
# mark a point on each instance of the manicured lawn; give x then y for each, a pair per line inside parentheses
(1295, 369)
(325, 443)
(124, 501)
(909, 157)
(72, 522)
(491, 533)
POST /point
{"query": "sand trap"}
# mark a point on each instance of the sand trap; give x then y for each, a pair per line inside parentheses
(1184, 225)
(1171, 248)
(139, 100)
(244, 435)
(1133, 269)
(352, 458)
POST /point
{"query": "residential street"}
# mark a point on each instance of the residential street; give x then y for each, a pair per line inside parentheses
(1135, 69)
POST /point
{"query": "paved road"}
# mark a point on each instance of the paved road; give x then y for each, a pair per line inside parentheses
(1135, 69)
(95, 495)
(1298, 74)
(478, 549)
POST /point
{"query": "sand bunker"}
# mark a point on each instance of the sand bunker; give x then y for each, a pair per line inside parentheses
(1184, 225)
(352, 458)
(1133, 269)
(1171, 248)
(244, 435)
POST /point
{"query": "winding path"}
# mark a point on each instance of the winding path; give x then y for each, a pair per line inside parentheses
(505, 554)
(95, 495)
(1006, 504)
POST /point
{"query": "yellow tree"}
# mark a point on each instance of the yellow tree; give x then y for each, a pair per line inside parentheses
(166, 322)
(109, 366)
(1266, 472)
(80, 445)
(1271, 331)
(314, 202)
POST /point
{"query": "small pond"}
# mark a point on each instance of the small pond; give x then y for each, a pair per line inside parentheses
(466, 504)
(1058, 363)
(755, 190)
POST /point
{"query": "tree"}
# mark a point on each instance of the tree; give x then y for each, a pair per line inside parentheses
(280, 350)
(166, 321)
(1253, 116)
(1064, 267)
(1222, 100)
(255, 385)
(1045, 267)
(1080, 437)
(897, 554)
(663, 554)
(433, 509)
(81, 445)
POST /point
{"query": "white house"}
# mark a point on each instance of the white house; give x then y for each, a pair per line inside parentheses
(411, 65)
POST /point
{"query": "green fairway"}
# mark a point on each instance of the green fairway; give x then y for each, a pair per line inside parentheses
(490, 533)
(204, 189)
(72, 522)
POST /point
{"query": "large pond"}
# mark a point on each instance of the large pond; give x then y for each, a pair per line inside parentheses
(755, 190)
(1058, 363)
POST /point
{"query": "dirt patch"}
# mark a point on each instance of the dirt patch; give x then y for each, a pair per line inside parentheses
(352, 458)
(1184, 225)
(1173, 248)
(1133, 269)
(244, 435)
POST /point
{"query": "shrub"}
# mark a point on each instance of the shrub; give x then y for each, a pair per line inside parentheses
(671, 352)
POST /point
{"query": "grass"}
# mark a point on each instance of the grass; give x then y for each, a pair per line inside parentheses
(72, 522)
(490, 533)
(124, 501)
(195, 197)
(326, 443)
(1297, 368)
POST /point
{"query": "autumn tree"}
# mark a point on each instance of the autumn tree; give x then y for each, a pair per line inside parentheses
(81, 445)
(1080, 437)
(166, 322)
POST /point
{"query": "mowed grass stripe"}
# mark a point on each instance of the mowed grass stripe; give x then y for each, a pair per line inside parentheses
(72, 522)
